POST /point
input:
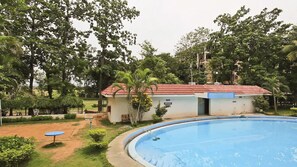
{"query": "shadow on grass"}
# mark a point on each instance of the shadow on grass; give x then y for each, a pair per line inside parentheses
(91, 150)
(36, 160)
(53, 145)
(107, 123)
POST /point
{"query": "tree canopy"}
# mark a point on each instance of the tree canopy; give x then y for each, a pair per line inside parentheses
(41, 50)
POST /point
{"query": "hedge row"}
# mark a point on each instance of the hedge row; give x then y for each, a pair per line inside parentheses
(25, 119)
(15, 150)
(36, 118)
(42, 102)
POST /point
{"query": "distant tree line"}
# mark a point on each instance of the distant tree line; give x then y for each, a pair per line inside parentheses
(40, 44)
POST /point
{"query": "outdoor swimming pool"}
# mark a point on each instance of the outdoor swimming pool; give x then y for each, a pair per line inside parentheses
(233, 142)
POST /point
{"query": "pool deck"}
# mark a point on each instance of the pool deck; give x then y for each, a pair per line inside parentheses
(118, 157)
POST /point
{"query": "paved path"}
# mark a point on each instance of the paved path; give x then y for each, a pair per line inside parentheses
(117, 155)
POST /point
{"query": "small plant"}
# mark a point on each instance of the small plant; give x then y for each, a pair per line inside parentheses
(15, 150)
(260, 104)
(97, 136)
(94, 105)
(156, 118)
(69, 116)
(161, 111)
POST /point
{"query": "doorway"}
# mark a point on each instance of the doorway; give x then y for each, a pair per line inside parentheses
(203, 106)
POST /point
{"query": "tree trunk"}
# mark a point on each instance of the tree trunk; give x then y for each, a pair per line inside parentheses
(100, 80)
(274, 101)
(64, 88)
(138, 113)
(49, 87)
(100, 94)
(10, 112)
(275, 104)
(31, 79)
(65, 110)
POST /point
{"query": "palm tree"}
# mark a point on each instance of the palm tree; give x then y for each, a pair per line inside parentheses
(135, 84)
(277, 87)
(291, 50)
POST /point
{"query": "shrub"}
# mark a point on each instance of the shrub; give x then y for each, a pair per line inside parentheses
(45, 103)
(14, 150)
(260, 104)
(24, 119)
(156, 118)
(94, 105)
(97, 134)
(143, 103)
(160, 111)
(100, 145)
(69, 116)
(41, 118)
(70, 101)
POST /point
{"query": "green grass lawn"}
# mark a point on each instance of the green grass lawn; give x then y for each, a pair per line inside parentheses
(88, 104)
(281, 112)
(85, 156)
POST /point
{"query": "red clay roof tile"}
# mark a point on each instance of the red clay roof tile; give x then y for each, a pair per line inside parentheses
(184, 89)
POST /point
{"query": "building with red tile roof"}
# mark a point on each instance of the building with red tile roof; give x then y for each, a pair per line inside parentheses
(189, 100)
(184, 89)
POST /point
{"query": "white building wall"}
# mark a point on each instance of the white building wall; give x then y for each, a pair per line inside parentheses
(184, 106)
(234, 106)
(119, 106)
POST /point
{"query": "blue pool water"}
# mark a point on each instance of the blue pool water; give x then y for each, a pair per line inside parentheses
(221, 143)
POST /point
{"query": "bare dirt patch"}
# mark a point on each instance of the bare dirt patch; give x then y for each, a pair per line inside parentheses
(70, 139)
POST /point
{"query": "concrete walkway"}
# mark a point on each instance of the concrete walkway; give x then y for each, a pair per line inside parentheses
(117, 155)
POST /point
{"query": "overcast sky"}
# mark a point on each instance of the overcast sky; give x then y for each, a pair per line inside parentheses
(164, 22)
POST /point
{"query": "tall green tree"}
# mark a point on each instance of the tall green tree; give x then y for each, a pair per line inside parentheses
(291, 50)
(136, 84)
(10, 51)
(147, 49)
(190, 51)
(156, 64)
(106, 19)
(34, 20)
(249, 46)
(290, 69)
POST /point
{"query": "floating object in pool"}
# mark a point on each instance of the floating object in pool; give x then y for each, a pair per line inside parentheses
(156, 138)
